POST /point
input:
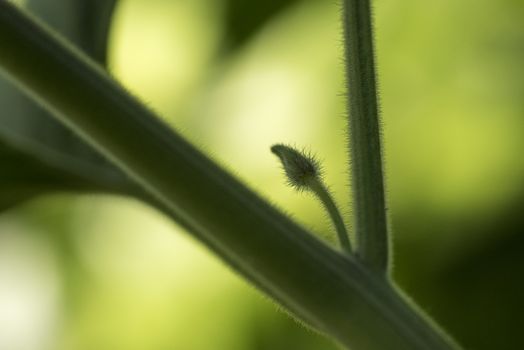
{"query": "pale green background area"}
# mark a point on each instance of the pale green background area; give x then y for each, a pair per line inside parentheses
(451, 82)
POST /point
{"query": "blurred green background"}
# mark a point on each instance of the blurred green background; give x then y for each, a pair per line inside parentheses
(105, 272)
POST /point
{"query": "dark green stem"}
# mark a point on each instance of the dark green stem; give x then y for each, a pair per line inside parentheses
(370, 222)
(333, 292)
(322, 193)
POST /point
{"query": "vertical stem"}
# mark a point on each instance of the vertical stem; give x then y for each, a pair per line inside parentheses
(322, 193)
(370, 226)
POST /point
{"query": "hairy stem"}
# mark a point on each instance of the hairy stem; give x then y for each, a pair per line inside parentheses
(322, 193)
(371, 227)
(332, 292)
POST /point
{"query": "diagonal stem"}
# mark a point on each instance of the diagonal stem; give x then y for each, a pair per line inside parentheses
(371, 226)
(332, 292)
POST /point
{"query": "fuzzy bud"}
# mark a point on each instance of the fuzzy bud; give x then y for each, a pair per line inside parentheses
(300, 167)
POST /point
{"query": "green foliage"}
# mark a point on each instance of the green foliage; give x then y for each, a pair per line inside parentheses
(40, 155)
(244, 18)
(23, 176)
(331, 292)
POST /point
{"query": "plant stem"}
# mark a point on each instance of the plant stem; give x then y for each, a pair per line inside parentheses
(371, 227)
(333, 292)
(322, 193)
(304, 173)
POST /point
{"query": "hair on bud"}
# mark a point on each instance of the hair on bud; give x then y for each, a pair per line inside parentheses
(304, 173)
(300, 167)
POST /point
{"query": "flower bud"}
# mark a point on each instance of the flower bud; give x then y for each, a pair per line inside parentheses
(300, 167)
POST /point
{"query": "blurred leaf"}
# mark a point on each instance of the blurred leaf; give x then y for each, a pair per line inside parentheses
(84, 22)
(23, 176)
(244, 18)
(37, 153)
(487, 281)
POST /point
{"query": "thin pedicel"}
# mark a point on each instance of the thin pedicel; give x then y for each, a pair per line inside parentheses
(304, 173)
